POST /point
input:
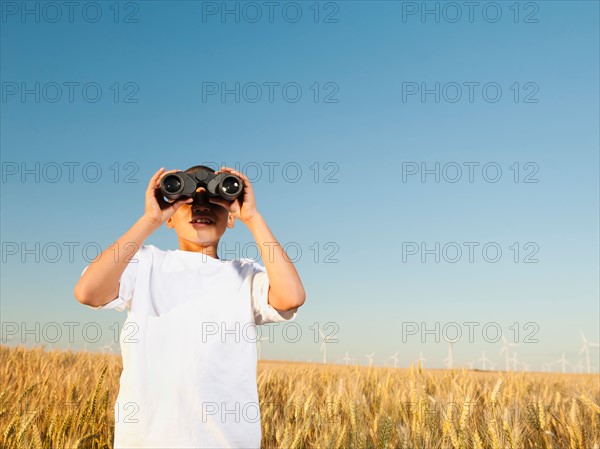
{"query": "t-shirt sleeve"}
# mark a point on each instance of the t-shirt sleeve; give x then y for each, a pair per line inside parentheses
(126, 288)
(263, 311)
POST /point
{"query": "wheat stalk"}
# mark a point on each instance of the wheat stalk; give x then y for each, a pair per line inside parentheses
(326, 407)
(496, 391)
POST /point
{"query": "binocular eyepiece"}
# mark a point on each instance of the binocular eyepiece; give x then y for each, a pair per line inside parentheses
(181, 184)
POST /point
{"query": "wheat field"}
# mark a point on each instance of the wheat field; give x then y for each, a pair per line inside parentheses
(62, 399)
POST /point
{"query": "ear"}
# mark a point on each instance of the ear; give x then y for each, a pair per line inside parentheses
(169, 223)
(230, 220)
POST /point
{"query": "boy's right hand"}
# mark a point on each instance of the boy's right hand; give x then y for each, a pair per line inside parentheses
(157, 210)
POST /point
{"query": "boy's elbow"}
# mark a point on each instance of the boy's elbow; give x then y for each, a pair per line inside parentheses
(301, 298)
(84, 297)
(80, 295)
(93, 298)
(289, 301)
(297, 300)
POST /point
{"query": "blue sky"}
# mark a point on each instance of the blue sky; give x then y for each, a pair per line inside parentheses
(364, 130)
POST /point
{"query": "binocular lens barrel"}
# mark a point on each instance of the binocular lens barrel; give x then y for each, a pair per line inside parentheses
(172, 184)
(231, 186)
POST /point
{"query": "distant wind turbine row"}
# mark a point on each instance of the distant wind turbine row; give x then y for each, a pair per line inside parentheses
(511, 362)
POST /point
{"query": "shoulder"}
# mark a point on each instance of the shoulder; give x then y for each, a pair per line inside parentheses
(151, 249)
(148, 252)
(247, 265)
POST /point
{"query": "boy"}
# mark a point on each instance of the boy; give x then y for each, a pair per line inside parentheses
(189, 341)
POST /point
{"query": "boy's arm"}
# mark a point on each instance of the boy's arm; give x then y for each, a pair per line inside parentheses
(100, 283)
(285, 287)
(286, 291)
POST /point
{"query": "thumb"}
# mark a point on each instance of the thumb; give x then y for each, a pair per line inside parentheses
(177, 204)
(220, 202)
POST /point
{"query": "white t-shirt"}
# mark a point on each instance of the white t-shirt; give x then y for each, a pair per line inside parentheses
(189, 350)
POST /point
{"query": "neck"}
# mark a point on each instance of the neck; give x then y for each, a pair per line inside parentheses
(208, 249)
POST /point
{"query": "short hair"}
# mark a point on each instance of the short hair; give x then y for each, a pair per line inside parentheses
(197, 167)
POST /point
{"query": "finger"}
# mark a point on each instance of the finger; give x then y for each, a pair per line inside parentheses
(156, 175)
(165, 174)
(187, 201)
(220, 202)
(232, 171)
(216, 201)
(183, 200)
(240, 175)
(160, 199)
(177, 204)
(248, 189)
(227, 169)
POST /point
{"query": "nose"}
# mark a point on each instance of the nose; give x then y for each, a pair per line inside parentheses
(200, 198)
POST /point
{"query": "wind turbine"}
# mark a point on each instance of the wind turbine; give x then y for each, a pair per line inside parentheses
(586, 348)
(421, 359)
(514, 361)
(395, 359)
(484, 360)
(370, 357)
(107, 349)
(547, 366)
(563, 362)
(526, 366)
(471, 364)
(324, 345)
(504, 350)
(259, 346)
(450, 359)
(346, 358)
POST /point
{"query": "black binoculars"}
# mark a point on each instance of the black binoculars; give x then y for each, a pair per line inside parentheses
(223, 185)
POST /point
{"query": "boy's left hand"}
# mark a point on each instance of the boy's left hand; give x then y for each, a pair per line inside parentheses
(244, 210)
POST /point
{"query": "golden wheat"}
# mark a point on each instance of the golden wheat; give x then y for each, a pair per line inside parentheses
(316, 406)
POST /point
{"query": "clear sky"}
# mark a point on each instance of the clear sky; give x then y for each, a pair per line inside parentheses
(379, 137)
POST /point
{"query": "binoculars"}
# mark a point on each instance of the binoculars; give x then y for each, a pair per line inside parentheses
(223, 185)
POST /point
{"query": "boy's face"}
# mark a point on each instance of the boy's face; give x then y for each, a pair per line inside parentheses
(189, 231)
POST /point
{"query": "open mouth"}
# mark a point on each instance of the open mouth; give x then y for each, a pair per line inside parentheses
(202, 222)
